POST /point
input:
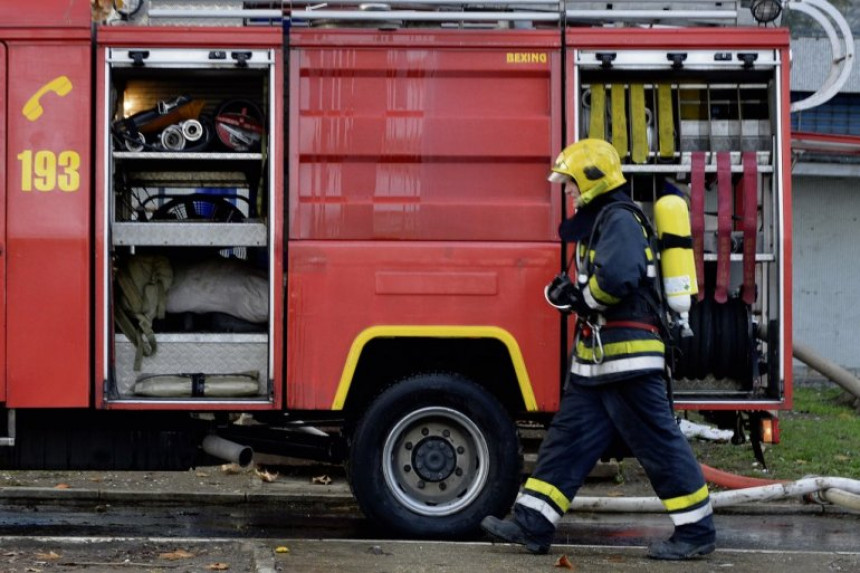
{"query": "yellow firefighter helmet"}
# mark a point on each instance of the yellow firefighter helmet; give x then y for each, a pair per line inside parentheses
(593, 164)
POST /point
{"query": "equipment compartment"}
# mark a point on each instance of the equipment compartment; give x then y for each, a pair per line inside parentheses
(703, 124)
(189, 213)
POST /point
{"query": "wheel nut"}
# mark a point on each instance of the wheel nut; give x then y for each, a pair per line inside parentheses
(446, 433)
(424, 431)
(461, 450)
(458, 471)
(442, 486)
(407, 468)
(421, 484)
(408, 445)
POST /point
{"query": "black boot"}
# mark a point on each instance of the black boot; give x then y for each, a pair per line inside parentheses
(510, 531)
(673, 549)
(688, 541)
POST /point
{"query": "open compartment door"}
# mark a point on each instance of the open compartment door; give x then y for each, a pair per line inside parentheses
(190, 299)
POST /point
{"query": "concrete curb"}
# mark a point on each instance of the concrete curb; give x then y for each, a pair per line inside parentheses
(338, 500)
(77, 495)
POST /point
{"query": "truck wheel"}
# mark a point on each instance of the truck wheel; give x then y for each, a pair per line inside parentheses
(433, 455)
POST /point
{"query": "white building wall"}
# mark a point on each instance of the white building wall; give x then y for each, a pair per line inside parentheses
(826, 277)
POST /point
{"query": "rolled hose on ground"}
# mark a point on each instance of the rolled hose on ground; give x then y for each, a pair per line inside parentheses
(733, 481)
(841, 491)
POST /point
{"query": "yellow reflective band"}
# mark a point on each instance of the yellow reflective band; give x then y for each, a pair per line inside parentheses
(591, 256)
(583, 252)
(599, 294)
(550, 491)
(685, 501)
(628, 347)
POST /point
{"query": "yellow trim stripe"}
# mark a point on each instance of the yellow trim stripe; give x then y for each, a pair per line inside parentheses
(619, 348)
(441, 331)
(550, 491)
(599, 294)
(685, 501)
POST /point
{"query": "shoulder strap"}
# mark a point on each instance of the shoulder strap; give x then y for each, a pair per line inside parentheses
(655, 297)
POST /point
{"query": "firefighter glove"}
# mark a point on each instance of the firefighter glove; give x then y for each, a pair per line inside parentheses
(563, 294)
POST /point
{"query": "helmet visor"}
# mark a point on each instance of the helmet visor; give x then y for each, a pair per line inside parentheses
(556, 177)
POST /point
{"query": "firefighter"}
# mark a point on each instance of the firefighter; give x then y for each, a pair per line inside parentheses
(616, 391)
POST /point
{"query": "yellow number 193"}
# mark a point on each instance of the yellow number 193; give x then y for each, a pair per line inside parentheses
(46, 171)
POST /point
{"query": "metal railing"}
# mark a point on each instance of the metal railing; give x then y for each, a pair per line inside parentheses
(421, 12)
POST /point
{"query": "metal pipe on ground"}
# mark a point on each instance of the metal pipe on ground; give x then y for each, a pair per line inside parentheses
(218, 447)
(820, 364)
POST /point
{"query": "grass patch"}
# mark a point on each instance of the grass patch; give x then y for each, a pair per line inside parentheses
(820, 436)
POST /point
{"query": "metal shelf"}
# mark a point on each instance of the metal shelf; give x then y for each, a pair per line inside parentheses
(685, 168)
(759, 258)
(184, 156)
(190, 234)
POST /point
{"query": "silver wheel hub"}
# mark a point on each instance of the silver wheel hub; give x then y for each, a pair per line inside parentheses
(435, 461)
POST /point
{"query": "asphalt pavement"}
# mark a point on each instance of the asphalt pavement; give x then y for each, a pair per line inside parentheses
(323, 489)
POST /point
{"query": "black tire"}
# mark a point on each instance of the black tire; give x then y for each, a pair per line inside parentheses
(433, 455)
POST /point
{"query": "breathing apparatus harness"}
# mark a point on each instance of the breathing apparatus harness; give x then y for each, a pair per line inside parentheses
(562, 289)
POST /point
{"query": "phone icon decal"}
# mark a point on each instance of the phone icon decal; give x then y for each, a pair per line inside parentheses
(61, 85)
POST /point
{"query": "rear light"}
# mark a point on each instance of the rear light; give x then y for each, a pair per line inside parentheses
(769, 429)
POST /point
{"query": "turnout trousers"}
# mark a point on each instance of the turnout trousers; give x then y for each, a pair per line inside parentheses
(591, 418)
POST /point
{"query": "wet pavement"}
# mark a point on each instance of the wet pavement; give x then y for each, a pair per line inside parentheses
(307, 520)
(109, 555)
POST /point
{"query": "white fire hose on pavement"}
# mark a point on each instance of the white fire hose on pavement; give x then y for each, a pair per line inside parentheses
(841, 491)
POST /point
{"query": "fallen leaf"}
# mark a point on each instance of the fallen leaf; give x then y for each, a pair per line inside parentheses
(564, 562)
(201, 474)
(10, 554)
(49, 556)
(231, 469)
(323, 479)
(33, 570)
(218, 567)
(62, 486)
(282, 549)
(265, 475)
(178, 554)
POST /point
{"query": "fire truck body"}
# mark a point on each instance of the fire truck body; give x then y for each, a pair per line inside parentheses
(349, 226)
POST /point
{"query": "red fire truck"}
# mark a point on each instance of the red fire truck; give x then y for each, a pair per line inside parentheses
(323, 231)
